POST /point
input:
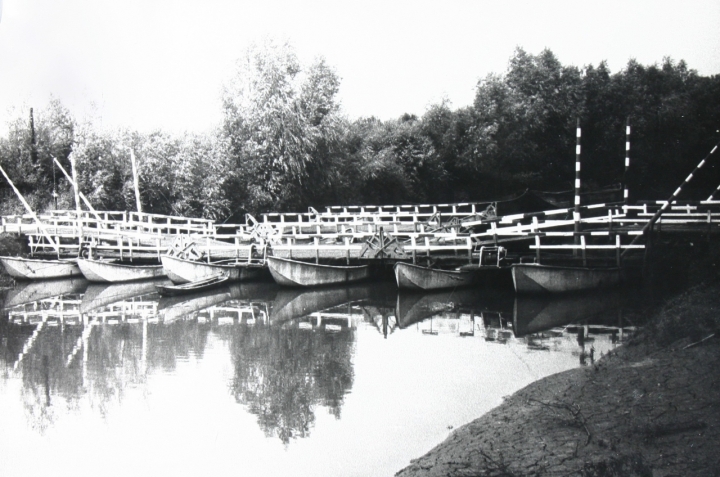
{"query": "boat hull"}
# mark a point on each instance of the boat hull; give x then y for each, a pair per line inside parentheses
(183, 271)
(109, 272)
(35, 269)
(415, 277)
(293, 273)
(533, 278)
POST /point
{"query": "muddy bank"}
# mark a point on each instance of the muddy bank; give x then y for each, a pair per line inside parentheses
(652, 408)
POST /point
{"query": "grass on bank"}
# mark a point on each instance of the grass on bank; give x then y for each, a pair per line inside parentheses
(693, 314)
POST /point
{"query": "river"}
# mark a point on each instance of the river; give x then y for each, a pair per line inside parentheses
(257, 380)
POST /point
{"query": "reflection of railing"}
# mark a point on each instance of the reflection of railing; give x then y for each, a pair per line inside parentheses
(234, 313)
(56, 311)
(335, 321)
(126, 311)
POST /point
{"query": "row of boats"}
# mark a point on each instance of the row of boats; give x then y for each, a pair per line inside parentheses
(195, 275)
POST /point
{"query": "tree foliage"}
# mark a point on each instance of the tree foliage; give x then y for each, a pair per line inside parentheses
(284, 143)
(282, 123)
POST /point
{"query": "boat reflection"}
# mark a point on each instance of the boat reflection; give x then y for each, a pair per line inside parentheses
(294, 303)
(99, 295)
(291, 350)
(202, 306)
(538, 322)
(533, 314)
(30, 291)
(413, 308)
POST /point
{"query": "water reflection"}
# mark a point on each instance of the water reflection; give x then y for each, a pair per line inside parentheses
(291, 351)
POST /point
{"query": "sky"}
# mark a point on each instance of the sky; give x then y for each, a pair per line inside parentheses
(161, 64)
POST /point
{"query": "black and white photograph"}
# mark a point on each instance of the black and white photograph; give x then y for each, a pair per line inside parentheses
(306, 238)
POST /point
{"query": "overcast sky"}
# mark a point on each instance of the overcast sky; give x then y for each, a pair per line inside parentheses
(150, 64)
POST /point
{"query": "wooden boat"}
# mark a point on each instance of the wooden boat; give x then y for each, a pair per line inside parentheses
(113, 272)
(193, 287)
(416, 277)
(293, 273)
(37, 269)
(180, 270)
(535, 278)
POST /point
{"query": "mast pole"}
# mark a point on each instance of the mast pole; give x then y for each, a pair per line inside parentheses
(77, 189)
(31, 212)
(136, 181)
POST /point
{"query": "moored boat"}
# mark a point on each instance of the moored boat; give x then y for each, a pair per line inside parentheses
(536, 278)
(113, 272)
(208, 283)
(415, 277)
(40, 269)
(294, 273)
(180, 270)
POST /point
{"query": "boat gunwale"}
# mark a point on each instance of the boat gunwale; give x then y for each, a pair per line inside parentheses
(226, 263)
(457, 271)
(121, 265)
(319, 265)
(566, 267)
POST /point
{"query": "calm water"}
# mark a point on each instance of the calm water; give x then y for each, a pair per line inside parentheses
(257, 380)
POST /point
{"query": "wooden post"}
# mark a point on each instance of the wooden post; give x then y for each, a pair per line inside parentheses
(74, 183)
(317, 250)
(136, 181)
(709, 222)
(347, 250)
(414, 251)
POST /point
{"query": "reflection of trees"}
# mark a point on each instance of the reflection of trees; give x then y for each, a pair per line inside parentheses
(282, 373)
(68, 363)
(43, 376)
(177, 340)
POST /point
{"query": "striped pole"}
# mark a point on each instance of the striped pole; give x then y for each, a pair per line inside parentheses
(576, 213)
(677, 192)
(627, 161)
(713, 194)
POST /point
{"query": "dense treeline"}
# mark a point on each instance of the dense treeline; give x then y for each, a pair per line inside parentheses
(284, 143)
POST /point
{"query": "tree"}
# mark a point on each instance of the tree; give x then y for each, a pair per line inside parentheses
(26, 154)
(525, 121)
(280, 124)
(201, 173)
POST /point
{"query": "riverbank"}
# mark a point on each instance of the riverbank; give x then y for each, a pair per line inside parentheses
(651, 408)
